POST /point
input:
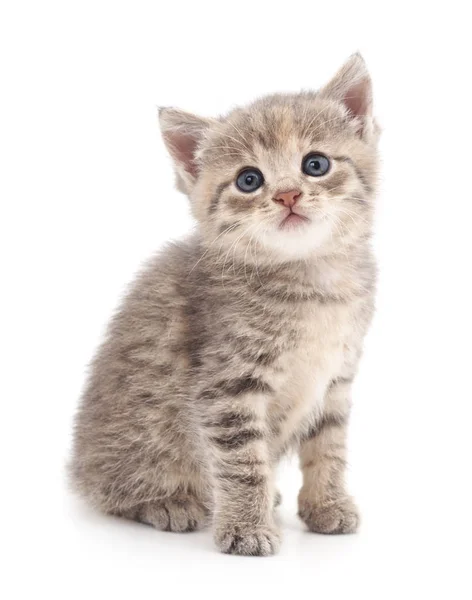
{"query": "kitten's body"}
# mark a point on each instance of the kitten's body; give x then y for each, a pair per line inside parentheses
(225, 355)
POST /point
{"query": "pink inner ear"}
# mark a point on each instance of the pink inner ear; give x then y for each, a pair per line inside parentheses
(183, 148)
(357, 98)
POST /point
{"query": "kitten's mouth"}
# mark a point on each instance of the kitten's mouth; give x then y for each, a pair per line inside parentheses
(293, 220)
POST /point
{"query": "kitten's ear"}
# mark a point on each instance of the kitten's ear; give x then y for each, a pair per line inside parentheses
(182, 133)
(352, 86)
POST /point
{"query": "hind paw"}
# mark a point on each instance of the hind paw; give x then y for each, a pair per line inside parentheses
(180, 513)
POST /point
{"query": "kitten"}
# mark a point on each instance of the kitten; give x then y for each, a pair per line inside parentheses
(242, 341)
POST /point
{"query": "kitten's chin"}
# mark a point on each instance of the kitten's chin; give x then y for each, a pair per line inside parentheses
(298, 241)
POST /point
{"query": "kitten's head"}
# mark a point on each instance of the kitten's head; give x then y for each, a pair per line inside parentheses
(290, 176)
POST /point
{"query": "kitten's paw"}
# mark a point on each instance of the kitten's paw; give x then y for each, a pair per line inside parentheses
(338, 516)
(180, 513)
(257, 541)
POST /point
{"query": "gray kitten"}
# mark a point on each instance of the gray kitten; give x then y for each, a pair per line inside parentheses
(242, 342)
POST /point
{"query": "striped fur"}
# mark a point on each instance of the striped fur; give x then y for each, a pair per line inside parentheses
(242, 341)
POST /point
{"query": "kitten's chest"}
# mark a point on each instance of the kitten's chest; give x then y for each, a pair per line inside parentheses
(322, 331)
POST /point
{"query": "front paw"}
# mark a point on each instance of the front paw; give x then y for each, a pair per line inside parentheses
(336, 516)
(246, 540)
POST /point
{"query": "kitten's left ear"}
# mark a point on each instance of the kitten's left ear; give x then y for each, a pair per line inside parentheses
(183, 133)
(352, 87)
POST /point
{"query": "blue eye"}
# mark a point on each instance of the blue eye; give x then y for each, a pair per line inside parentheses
(315, 165)
(249, 180)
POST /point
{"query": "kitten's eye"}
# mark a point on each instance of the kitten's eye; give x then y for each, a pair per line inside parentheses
(315, 165)
(249, 180)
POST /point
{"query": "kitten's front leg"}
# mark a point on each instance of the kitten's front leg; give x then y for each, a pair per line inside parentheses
(236, 433)
(324, 505)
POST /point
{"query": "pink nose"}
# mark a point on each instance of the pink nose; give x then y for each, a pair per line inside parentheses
(288, 199)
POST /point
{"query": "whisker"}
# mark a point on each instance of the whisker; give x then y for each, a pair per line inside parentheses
(239, 143)
(240, 133)
(350, 213)
(233, 226)
(228, 252)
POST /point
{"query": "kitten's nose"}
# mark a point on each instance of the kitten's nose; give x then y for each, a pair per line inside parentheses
(288, 199)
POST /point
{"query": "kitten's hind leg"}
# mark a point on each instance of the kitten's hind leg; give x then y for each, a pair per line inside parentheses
(181, 512)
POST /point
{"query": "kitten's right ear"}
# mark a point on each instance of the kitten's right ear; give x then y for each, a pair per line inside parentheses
(183, 133)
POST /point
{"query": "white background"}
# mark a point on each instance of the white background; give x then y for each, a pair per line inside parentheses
(87, 194)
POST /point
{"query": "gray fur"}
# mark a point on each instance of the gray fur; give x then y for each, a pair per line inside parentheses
(242, 341)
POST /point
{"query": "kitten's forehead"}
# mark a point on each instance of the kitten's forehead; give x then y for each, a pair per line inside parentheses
(276, 124)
